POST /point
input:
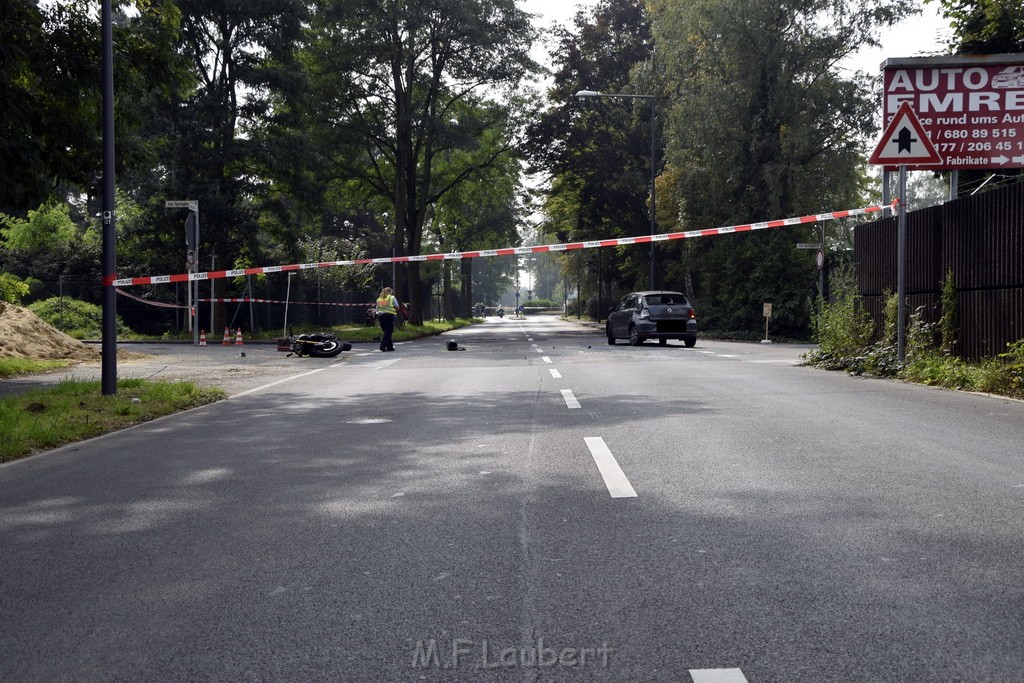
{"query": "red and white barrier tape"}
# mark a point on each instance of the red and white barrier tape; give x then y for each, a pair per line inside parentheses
(275, 301)
(162, 304)
(158, 304)
(509, 251)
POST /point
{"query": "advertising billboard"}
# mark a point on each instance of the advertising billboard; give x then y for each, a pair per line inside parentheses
(972, 107)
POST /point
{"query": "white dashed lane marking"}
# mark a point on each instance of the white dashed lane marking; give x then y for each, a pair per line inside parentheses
(570, 399)
(545, 359)
(717, 676)
(555, 373)
(614, 478)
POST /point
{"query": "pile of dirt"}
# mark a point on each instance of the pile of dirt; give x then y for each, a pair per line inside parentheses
(23, 334)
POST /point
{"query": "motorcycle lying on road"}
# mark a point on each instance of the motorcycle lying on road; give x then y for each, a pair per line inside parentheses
(315, 345)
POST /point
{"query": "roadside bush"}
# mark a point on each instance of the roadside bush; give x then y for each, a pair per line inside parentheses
(841, 330)
(883, 357)
(606, 306)
(937, 369)
(949, 320)
(76, 318)
(1005, 374)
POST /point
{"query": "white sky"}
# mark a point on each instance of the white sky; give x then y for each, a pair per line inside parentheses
(924, 34)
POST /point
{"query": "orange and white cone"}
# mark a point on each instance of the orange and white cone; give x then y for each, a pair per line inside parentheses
(238, 337)
(202, 337)
(227, 337)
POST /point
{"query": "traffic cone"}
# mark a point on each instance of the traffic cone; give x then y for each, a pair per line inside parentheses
(238, 337)
(202, 337)
(227, 337)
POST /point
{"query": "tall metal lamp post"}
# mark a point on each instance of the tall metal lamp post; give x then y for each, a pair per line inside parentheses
(108, 369)
(583, 94)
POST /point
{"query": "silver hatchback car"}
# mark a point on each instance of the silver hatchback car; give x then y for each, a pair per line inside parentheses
(652, 315)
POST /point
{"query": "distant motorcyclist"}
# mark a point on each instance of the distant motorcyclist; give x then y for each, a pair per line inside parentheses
(501, 312)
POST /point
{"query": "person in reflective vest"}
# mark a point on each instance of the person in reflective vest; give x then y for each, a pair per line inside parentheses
(387, 308)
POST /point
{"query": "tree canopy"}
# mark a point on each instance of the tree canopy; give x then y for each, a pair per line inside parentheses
(332, 129)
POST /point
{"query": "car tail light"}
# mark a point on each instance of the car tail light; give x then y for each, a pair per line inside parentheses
(644, 314)
(693, 314)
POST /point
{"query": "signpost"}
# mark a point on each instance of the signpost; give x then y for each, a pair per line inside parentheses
(767, 311)
(192, 261)
(904, 141)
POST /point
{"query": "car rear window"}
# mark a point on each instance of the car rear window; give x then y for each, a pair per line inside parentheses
(665, 300)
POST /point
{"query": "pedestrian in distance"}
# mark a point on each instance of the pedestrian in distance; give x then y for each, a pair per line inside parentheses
(387, 310)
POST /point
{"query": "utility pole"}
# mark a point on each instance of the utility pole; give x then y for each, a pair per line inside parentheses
(108, 371)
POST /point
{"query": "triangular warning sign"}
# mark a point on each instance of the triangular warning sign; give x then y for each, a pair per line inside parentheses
(905, 142)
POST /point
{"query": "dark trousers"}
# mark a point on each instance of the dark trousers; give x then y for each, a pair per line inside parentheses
(387, 326)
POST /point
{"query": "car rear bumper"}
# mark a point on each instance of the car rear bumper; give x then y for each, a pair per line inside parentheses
(667, 329)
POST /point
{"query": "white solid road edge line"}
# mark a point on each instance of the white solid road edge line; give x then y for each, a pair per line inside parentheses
(280, 381)
(570, 399)
(614, 478)
(717, 676)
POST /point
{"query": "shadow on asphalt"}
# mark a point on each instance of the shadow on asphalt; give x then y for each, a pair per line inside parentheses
(275, 557)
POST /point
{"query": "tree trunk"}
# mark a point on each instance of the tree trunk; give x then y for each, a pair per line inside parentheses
(467, 287)
(415, 294)
(449, 308)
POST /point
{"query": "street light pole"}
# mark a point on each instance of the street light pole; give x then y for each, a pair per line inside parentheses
(654, 210)
(582, 94)
(108, 370)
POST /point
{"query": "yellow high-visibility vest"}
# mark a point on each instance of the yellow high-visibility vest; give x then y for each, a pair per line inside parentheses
(388, 305)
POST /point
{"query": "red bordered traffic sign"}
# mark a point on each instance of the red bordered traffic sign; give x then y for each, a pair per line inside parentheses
(905, 142)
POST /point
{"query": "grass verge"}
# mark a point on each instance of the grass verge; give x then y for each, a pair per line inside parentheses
(76, 410)
(364, 333)
(405, 332)
(9, 367)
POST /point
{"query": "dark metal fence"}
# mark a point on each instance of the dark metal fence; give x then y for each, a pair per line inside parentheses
(981, 239)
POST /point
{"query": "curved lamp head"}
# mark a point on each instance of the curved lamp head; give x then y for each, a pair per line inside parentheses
(587, 93)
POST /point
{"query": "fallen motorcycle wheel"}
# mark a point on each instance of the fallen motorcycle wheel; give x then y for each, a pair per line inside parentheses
(327, 349)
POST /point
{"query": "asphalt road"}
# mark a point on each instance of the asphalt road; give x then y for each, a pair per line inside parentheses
(539, 506)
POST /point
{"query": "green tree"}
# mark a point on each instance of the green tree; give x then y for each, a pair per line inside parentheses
(763, 126)
(479, 215)
(208, 133)
(52, 249)
(985, 26)
(597, 151)
(405, 95)
(50, 59)
(12, 288)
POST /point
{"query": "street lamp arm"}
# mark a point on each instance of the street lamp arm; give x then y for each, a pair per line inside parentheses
(654, 150)
(593, 93)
